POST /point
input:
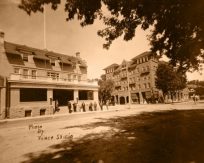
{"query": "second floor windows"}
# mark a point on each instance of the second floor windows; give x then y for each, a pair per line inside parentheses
(16, 70)
(33, 74)
(25, 73)
(79, 78)
(69, 77)
(74, 77)
(53, 76)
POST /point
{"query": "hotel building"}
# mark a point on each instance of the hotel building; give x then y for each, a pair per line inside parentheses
(32, 80)
(136, 79)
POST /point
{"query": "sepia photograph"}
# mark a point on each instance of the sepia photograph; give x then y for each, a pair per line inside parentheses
(101, 81)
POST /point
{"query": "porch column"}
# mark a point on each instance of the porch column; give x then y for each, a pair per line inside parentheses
(141, 98)
(115, 99)
(76, 95)
(50, 96)
(95, 95)
(2, 102)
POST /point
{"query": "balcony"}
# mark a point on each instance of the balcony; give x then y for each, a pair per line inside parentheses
(54, 80)
(145, 72)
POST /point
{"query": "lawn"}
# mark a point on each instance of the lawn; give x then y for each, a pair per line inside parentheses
(156, 137)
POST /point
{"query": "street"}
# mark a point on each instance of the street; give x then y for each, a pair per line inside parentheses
(37, 139)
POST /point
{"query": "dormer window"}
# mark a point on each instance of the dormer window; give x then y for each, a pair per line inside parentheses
(52, 62)
(25, 57)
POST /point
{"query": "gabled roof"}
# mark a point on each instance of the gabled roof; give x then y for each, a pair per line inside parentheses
(17, 49)
(112, 65)
(142, 55)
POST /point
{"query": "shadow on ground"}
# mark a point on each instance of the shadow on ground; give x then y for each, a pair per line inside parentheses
(157, 137)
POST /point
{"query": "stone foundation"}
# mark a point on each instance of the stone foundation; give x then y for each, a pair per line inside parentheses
(19, 112)
(3, 114)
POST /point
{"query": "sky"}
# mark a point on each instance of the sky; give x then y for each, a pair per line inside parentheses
(69, 37)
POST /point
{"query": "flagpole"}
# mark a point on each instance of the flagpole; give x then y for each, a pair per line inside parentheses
(44, 26)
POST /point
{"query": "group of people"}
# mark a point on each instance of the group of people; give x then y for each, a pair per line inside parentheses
(195, 98)
(73, 107)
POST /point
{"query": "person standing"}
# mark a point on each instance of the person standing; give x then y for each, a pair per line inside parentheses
(90, 106)
(69, 106)
(75, 106)
(107, 103)
(83, 107)
(56, 106)
(95, 106)
(101, 105)
(194, 98)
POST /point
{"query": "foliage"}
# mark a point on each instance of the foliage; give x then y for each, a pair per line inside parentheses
(105, 89)
(196, 83)
(177, 25)
(199, 91)
(169, 80)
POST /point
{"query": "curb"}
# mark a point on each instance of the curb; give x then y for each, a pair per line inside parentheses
(46, 117)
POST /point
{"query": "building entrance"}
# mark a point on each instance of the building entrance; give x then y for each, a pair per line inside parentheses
(63, 96)
(122, 100)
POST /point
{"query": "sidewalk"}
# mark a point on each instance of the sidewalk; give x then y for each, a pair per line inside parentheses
(110, 108)
(139, 107)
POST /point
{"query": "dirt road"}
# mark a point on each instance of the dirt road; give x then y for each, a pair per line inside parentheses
(21, 138)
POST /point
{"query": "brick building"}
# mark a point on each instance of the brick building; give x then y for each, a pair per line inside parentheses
(31, 80)
(136, 79)
(141, 78)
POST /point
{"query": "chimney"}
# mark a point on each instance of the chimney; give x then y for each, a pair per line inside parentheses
(1, 37)
(77, 54)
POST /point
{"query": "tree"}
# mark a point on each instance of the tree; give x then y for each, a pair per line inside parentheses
(169, 80)
(105, 89)
(177, 25)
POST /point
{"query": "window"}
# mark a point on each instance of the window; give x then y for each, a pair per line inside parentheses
(54, 76)
(144, 85)
(148, 85)
(69, 77)
(25, 57)
(28, 113)
(79, 78)
(33, 94)
(25, 73)
(52, 62)
(33, 74)
(74, 77)
(17, 70)
(42, 111)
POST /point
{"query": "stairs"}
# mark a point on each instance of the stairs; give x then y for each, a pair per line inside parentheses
(62, 110)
